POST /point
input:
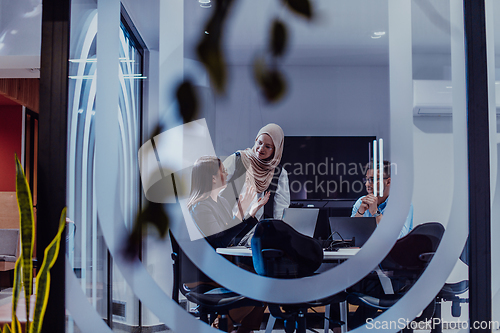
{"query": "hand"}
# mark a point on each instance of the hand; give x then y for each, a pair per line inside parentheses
(260, 203)
(363, 208)
(246, 199)
(369, 203)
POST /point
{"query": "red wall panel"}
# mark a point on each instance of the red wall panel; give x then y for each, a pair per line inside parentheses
(10, 144)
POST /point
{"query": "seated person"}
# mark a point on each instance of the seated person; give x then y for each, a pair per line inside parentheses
(213, 217)
(371, 206)
(211, 212)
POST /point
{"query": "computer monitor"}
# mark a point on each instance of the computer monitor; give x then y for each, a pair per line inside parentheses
(359, 228)
(302, 219)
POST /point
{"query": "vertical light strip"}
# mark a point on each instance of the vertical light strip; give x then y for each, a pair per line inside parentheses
(72, 172)
(85, 188)
(381, 166)
(375, 167)
(93, 219)
(369, 152)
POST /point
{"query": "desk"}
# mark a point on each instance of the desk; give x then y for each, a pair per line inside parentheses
(340, 254)
(242, 251)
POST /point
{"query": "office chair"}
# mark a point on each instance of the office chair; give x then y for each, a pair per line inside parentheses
(450, 292)
(279, 251)
(9, 243)
(212, 299)
(404, 264)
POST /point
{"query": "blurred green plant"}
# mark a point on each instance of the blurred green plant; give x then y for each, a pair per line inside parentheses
(267, 74)
(23, 271)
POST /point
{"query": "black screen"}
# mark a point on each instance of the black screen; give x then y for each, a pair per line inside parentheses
(326, 167)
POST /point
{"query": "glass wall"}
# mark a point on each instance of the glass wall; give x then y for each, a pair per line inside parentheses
(87, 251)
(393, 71)
(493, 42)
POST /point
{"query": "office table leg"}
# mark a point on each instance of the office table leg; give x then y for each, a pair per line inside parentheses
(343, 316)
(327, 321)
(270, 324)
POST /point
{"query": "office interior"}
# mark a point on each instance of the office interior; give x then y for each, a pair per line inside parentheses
(393, 70)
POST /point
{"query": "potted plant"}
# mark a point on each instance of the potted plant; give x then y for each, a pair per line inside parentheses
(23, 271)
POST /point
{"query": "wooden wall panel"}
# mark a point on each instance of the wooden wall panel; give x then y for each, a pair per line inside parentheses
(22, 91)
(9, 212)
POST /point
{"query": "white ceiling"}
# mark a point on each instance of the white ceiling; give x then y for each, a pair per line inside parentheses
(341, 33)
(20, 38)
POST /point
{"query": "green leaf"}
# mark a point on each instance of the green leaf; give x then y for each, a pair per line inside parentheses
(210, 55)
(17, 285)
(188, 101)
(154, 214)
(301, 7)
(157, 130)
(27, 233)
(209, 48)
(279, 38)
(6, 329)
(270, 81)
(43, 278)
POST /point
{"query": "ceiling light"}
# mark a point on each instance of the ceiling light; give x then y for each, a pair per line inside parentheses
(205, 3)
(377, 34)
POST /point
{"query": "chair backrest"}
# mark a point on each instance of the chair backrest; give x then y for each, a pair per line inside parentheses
(280, 251)
(9, 242)
(186, 272)
(413, 251)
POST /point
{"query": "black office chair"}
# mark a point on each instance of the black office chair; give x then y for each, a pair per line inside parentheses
(279, 251)
(212, 300)
(450, 292)
(404, 264)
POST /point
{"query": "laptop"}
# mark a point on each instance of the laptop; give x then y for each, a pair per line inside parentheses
(302, 219)
(357, 228)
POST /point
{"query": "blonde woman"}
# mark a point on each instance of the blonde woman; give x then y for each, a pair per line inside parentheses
(221, 228)
(212, 213)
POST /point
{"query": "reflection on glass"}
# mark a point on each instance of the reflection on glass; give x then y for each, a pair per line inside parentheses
(87, 251)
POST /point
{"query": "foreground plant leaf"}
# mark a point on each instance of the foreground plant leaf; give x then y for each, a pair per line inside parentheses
(16, 289)
(25, 204)
(43, 278)
(209, 48)
(153, 214)
(6, 329)
(188, 101)
(270, 81)
(279, 38)
(210, 54)
(301, 7)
